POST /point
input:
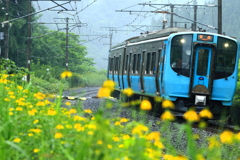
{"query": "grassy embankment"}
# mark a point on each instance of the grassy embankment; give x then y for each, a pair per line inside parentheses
(31, 127)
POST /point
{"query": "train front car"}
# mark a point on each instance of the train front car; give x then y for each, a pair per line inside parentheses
(201, 70)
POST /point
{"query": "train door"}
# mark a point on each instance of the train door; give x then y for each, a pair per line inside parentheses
(126, 73)
(202, 71)
(149, 78)
(157, 72)
(161, 69)
(134, 74)
(116, 71)
(110, 68)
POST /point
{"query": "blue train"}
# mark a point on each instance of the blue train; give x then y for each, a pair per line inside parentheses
(189, 68)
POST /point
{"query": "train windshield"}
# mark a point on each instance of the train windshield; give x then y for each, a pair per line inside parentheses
(181, 51)
(225, 58)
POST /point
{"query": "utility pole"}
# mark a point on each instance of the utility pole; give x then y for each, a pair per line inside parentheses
(219, 16)
(67, 43)
(195, 19)
(110, 29)
(6, 31)
(171, 21)
(29, 33)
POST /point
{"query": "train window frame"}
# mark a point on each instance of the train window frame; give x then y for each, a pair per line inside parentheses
(116, 65)
(226, 50)
(134, 63)
(126, 64)
(180, 54)
(129, 64)
(153, 62)
(139, 59)
(148, 63)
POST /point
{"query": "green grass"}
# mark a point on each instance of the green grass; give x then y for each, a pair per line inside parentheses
(32, 128)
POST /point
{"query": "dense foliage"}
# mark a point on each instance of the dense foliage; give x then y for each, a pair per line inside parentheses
(48, 47)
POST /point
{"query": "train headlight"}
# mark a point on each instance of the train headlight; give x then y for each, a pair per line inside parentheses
(200, 100)
(226, 45)
(182, 40)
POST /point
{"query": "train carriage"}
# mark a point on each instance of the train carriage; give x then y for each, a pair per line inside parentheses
(189, 68)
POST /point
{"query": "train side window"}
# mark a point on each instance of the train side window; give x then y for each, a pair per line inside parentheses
(111, 66)
(148, 63)
(116, 65)
(138, 63)
(134, 63)
(153, 68)
(126, 64)
(129, 63)
(119, 64)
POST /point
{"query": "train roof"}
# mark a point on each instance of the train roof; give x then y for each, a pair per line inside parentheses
(160, 33)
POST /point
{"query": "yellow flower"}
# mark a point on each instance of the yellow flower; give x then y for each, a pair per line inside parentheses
(145, 105)
(30, 134)
(58, 135)
(153, 136)
(139, 129)
(19, 109)
(205, 113)
(20, 87)
(72, 111)
(117, 123)
(6, 99)
(59, 126)
(66, 74)
(36, 150)
(116, 139)
(37, 130)
(109, 84)
(168, 104)
(68, 103)
(167, 115)
(90, 132)
(226, 137)
(32, 112)
(124, 120)
(17, 140)
(104, 92)
(120, 146)
(10, 113)
(39, 95)
(12, 96)
(168, 157)
(36, 121)
(191, 116)
(128, 91)
(109, 146)
(11, 93)
(78, 127)
(51, 112)
(159, 144)
(238, 136)
(88, 111)
(99, 142)
(79, 118)
(126, 137)
(40, 103)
